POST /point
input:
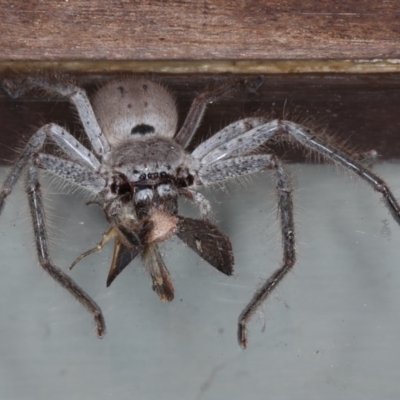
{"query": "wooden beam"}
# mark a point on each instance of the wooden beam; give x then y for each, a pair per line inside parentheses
(195, 30)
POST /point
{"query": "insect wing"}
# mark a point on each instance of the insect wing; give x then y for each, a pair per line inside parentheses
(208, 241)
(121, 258)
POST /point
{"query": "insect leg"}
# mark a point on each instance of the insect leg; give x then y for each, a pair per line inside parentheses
(162, 283)
(106, 237)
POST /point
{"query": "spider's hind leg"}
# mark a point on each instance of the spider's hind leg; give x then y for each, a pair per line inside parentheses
(285, 206)
(225, 169)
(76, 95)
(322, 146)
(197, 110)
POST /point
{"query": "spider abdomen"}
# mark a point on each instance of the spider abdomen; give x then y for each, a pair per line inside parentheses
(134, 108)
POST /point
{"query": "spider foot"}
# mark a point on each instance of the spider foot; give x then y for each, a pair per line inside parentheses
(15, 88)
(100, 324)
(242, 335)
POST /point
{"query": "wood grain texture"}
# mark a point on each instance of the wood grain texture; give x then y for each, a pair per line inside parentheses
(198, 30)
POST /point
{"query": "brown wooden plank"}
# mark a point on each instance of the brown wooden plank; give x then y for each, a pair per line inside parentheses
(198, 30)
(360, 110)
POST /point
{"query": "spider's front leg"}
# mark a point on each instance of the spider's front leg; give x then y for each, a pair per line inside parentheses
(38, 218)
(221, 171)
(81, 172)
(64, 141)
(34, 145)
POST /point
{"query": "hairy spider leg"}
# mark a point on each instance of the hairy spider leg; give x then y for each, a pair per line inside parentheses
(226, 156)
(76, 95)
(70, 170)
(39, 227)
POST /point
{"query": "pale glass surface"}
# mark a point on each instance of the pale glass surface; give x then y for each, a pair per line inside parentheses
(331, 329)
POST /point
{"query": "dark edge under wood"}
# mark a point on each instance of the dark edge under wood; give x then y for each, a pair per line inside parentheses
(360, 110)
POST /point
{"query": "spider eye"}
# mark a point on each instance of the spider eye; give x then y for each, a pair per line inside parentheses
(142, 129)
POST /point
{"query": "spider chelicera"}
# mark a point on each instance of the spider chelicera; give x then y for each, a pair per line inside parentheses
(138, 166)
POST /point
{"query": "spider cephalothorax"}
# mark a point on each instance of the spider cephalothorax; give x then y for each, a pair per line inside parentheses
(138, 166)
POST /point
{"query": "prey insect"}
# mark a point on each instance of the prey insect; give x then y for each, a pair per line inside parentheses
(138, 166)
